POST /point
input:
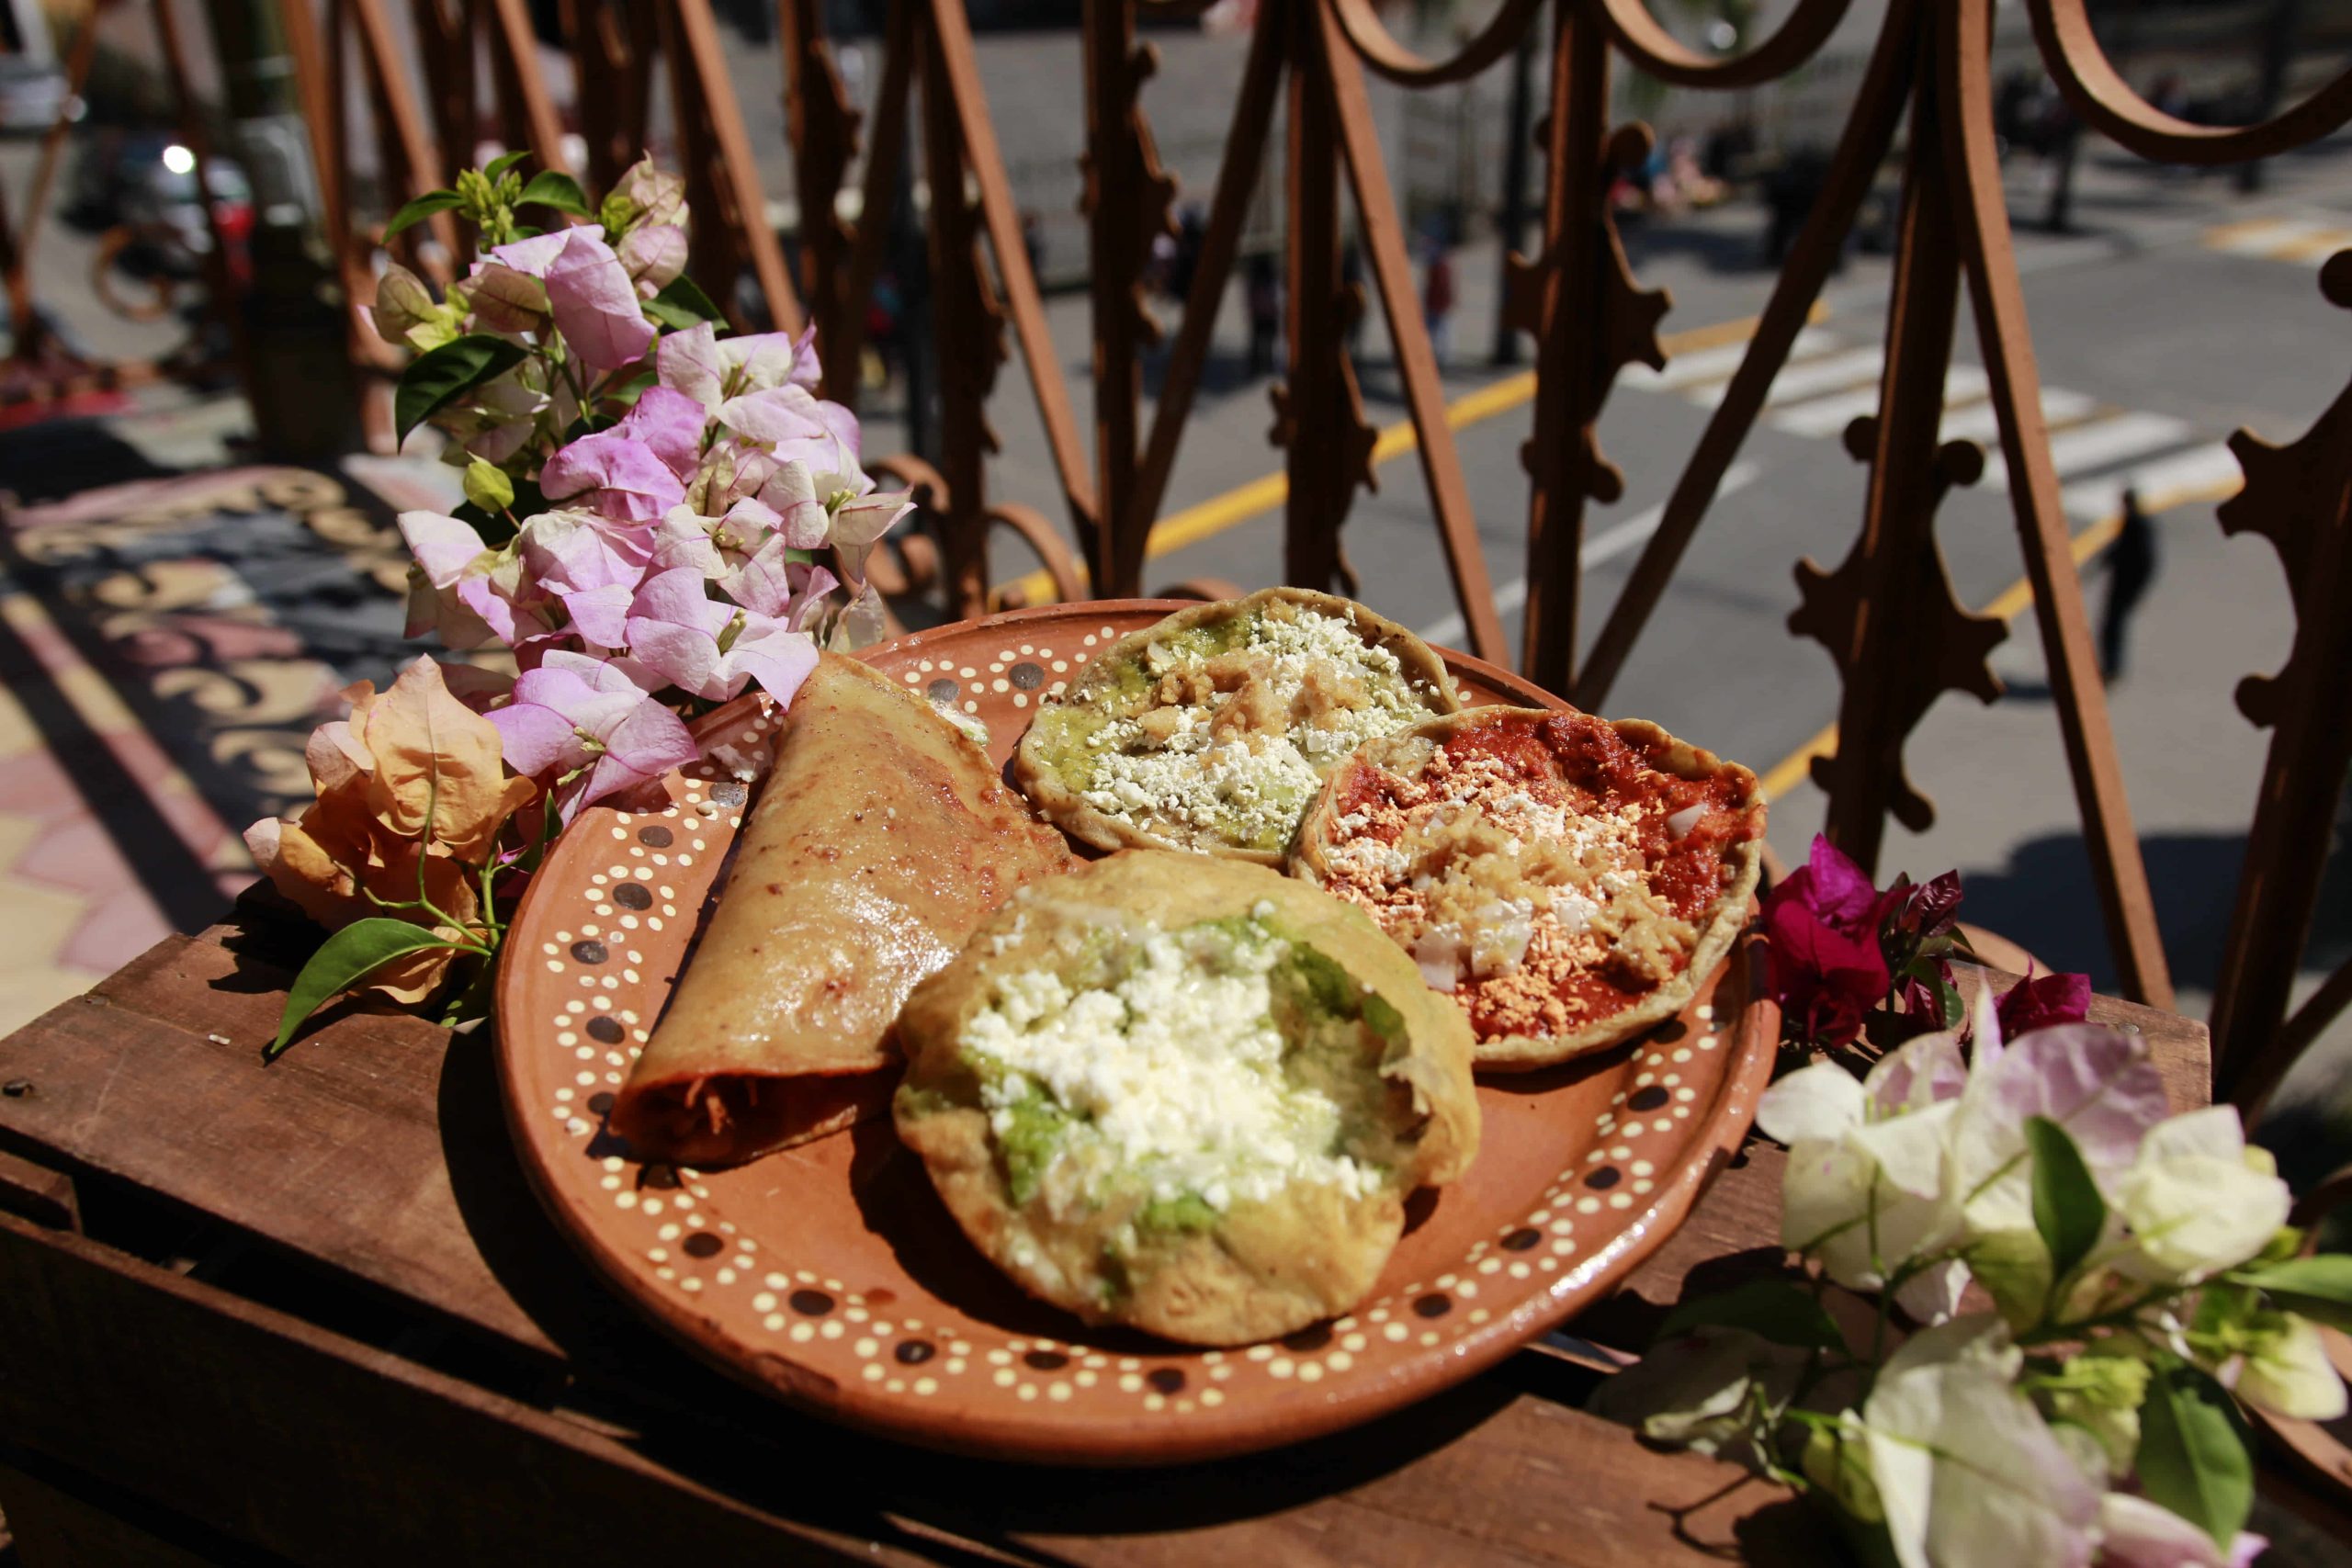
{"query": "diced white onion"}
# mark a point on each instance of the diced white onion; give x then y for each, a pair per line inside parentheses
(1438, 950)
(1683, 822)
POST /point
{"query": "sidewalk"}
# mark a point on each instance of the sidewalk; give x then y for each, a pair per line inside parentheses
(167, 642)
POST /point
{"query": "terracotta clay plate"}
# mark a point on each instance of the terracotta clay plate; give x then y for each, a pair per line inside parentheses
(831, 1275)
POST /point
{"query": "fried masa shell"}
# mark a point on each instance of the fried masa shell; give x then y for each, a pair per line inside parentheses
(1097, 694)
(1407, 755)
(1262, 1267)
(881, 838)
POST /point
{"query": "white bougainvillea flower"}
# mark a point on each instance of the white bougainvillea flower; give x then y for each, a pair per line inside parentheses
(2098, 1083)
(2284, 1368)
(2198, 1198)
(2136, 1533)
(1868, 1176)
(1967, 1471)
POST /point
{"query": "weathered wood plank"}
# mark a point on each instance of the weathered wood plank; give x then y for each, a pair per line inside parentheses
(36, 1192)
(55, 1528)
(358, 1149)
(259, 1426)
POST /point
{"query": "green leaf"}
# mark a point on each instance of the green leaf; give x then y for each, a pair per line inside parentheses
(551, 187)
(681, 304)
(504, 162)
(423, 207)
(433, 381)
(2067, 1209)
(2318, 1288)
(344, 960)
(2194, 1455)
(1774, 1308)
(497, 527)
(489, 486)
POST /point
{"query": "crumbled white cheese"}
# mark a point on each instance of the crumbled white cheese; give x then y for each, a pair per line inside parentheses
(1252, 788)
(1175, 1075)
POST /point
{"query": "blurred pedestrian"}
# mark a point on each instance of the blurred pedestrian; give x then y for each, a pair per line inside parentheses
(1437, 298)
(2131, 568)
(1264, 290)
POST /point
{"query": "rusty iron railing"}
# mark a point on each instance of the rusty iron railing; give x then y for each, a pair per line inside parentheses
(1886, 613)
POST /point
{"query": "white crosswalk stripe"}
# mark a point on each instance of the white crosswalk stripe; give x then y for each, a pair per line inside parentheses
(1830, 415)
(2097, 444)
(1811, 378)
(1702, 366)
(2200, 470)
(2096, 447)
(1978, 421)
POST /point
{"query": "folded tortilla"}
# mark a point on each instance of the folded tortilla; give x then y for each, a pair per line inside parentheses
(881, 840)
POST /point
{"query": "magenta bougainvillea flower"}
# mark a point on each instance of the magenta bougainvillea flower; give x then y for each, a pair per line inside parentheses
(2040, 1001)
(1827, 969)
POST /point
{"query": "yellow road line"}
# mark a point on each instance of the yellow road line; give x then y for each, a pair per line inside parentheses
(2012, 602)
(1241, 504)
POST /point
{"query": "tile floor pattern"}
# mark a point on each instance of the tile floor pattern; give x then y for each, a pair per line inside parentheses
(166, 645)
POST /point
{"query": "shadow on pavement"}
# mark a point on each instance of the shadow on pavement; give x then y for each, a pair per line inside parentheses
(60, 457)
(2043, 899)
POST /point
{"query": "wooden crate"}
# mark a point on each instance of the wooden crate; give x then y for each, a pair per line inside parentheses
(313, 1314)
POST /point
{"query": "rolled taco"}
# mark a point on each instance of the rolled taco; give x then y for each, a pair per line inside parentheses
(881, 839)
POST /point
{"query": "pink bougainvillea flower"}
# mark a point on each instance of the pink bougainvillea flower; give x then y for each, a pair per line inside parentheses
(671, 425)
(443, 549)
(1833, 889)
(772, 583)
(574, 714)
(570, 551)
(615, 473)
(712, 649)
(860, 524)
(513, 608)
(1827, 969)
(465, 592)
(805, 372)
(2039, 1003)
(653, 256)
(688, 362)
(595, 304)
(589, 293)
(791, 492)
(800, 427)
(682, 540)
